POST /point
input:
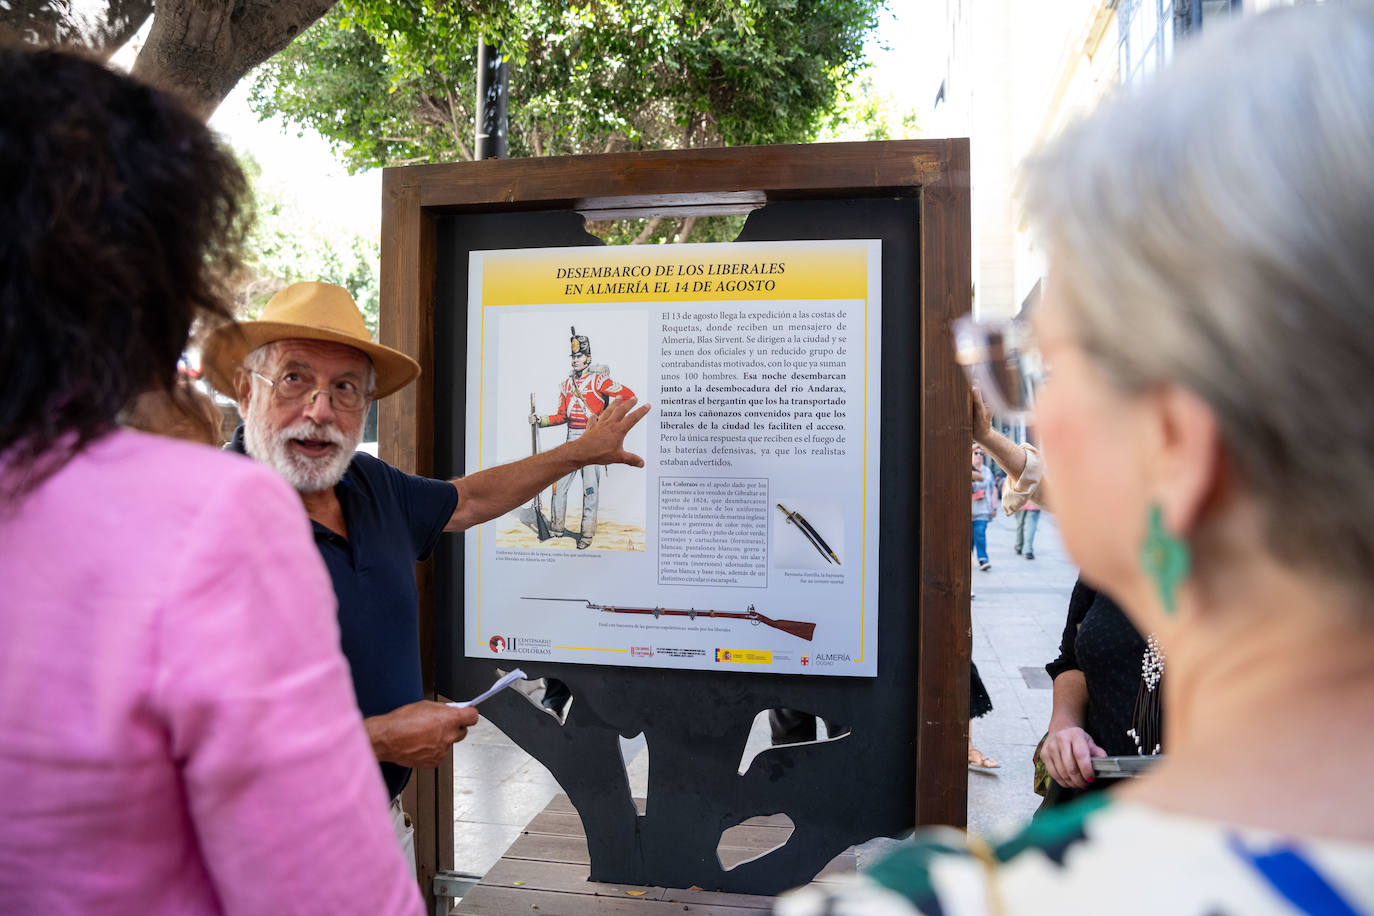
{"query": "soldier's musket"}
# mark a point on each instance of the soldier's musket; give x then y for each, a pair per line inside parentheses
(541, 524)
(798, 628)
(812, 535)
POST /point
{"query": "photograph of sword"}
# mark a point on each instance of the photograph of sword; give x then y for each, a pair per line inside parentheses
(811, 534)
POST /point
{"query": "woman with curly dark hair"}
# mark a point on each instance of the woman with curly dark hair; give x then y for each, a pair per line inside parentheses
(179, 728)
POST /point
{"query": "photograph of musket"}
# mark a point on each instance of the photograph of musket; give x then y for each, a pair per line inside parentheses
(812, 535)
(798, 628)
(541, 524)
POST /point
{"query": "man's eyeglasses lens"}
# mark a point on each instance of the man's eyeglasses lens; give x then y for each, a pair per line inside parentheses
(292, 386)
(1001, 360)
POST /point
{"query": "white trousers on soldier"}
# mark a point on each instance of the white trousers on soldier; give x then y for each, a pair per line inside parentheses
(591, 485)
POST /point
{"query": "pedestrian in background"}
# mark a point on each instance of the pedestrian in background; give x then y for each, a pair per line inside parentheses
(979, 705)
(1027, 520)
(983, 508)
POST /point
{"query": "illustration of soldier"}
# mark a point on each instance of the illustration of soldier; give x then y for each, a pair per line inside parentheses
(582, 395)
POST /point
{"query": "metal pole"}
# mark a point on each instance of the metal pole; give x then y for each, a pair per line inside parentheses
(492, 92)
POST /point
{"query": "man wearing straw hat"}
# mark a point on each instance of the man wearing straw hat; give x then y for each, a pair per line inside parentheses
(304, 376)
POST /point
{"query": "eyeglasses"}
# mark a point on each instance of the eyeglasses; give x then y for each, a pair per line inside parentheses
(1002, 361)
(344, 395)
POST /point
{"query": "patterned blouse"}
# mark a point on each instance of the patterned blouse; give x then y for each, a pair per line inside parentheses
(1099, 856)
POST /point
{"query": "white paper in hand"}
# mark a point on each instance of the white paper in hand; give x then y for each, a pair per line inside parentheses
(506, 681)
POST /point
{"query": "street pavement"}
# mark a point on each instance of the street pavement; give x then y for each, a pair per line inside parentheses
(1018, 615)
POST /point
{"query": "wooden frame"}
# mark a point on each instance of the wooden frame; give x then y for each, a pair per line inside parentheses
(706, 182)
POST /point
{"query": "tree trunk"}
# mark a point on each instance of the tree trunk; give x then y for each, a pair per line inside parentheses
(200, 49)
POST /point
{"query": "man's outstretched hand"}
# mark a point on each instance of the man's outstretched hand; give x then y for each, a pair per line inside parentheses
(418, 734)
(604, 440)
(496, 490)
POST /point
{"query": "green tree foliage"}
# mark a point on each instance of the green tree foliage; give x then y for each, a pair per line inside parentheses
(392, 83)
(285, 246)
(862, 112)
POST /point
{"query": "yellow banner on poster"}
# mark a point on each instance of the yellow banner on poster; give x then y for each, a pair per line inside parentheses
(745, 656)
(664, 273)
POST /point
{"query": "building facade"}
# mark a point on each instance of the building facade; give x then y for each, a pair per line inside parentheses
(1016, 73)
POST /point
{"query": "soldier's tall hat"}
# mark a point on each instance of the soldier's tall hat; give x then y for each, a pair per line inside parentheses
(582, 345)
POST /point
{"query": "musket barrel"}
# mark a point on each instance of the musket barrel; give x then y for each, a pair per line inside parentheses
(799, 628)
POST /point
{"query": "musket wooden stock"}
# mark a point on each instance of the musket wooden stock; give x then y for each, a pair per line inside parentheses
(799, 628)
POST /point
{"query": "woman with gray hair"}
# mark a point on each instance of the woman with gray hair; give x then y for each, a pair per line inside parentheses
(1209, 325)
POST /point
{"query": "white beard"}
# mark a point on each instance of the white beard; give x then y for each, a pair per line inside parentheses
(307, 475)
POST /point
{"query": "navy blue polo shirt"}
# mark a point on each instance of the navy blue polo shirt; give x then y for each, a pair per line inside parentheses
(394, 520)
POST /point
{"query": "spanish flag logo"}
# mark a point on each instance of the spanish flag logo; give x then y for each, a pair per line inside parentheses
(744, 656)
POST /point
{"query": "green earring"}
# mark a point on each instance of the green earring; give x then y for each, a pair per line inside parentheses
(1166, 559)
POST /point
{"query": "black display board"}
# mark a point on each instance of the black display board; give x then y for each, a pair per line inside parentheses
(837, 792)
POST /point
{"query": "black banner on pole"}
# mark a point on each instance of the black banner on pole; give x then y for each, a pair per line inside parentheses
(493, 86)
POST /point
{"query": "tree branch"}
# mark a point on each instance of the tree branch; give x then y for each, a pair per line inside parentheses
(267, 26)
(689, 130)
(453, 119)
(100, 29)
(200, 49)
(429, 110)
(647, 231)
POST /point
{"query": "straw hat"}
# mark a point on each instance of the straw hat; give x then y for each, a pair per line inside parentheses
(304, 311)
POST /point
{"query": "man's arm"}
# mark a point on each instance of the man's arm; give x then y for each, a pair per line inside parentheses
(496, 491)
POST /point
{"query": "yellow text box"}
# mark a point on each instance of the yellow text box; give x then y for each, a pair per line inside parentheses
(666, 273)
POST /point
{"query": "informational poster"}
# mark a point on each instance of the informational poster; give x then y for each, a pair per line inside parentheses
(748, 542)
